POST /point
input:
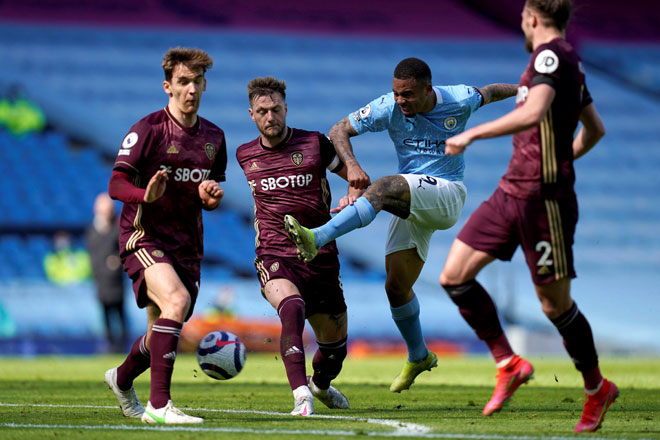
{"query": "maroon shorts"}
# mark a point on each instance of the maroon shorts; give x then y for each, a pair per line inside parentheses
(136, 262)
(318, 282)
(543, 228)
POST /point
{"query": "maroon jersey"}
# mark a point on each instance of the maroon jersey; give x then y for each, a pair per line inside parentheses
(289, 179)
(173, 223)
(541, 166)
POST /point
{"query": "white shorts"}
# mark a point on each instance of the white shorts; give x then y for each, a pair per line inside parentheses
(435, 203)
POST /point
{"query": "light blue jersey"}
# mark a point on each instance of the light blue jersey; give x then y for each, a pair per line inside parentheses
(420, 140)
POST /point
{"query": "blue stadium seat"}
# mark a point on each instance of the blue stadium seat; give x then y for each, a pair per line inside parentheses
(327, 78)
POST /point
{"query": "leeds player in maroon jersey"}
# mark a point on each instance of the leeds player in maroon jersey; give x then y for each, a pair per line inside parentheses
(167, 170)
(285, 168)
(534, 206)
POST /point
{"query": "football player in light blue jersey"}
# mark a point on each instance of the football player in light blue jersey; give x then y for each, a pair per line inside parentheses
(419, 139)
(427, 194)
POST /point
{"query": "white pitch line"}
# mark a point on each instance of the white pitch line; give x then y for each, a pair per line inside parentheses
(403, 429)
(288, 432)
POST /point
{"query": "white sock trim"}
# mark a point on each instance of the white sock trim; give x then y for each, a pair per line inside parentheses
(505, 362)
(594, 391)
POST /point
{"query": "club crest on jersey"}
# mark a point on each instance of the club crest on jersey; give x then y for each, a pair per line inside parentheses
(209, 149)
(450, 123)
(546, 61)
(297, 158)
(274, 267)
(158, 253)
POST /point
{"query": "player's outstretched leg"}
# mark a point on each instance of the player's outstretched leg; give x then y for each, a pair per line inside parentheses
(304, 401)
(302, 237)
(168, 415)
(509, 377)
(332, 397)
(595, 407)
(128, 400)
(411, 370)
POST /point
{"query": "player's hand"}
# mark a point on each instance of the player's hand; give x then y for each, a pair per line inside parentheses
(457, 144)
(211, 193)
(357, 178)
(343, 203)
(156, 186)
(348, 199)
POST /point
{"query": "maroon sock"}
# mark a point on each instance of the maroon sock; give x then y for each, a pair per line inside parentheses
(579, 343)
(499, 347)
(163, 346)
(328, 361)
(292, 315)
(478, 309)
(136, 363)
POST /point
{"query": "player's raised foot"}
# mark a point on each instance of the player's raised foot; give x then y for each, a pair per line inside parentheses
(517, 372)
(302, 237)
(304, 402)
(411, 370)
(595, 407)
(128, 400)
(168, 415)
(332, 397)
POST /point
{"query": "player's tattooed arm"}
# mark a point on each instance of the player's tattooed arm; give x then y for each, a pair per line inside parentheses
(497, 92)
(340, 135)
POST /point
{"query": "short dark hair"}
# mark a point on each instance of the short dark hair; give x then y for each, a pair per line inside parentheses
(265, 86)
(556, 13)
(413, 68)
(193, 59)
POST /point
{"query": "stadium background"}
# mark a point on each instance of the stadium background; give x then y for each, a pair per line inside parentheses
(94, 69)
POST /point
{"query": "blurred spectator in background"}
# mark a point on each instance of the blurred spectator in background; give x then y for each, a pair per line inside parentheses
(66, 265)
(102, 238)
(19, 114)
(223, 302)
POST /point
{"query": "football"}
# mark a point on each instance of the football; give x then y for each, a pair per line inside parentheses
(221, 355)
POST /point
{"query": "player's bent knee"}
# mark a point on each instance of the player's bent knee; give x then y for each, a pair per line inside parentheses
(176, 304)
(450, 277)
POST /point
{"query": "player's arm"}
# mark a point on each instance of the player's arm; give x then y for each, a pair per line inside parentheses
(496, 92)
(121, 188)
(590, 133)
(521, 118)
(340, 135)
(211, 193)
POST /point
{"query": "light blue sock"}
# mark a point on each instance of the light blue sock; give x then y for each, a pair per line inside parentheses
(354, 216)
(406, 318)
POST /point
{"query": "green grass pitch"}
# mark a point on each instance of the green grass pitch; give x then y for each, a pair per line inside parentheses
(65, 398)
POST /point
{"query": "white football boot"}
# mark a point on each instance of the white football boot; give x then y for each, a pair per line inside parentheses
(332, 397)
(128, 400)
(168, 415)
(304, 402)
